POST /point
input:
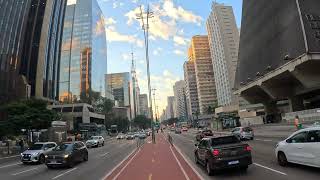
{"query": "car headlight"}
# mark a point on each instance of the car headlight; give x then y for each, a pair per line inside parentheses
(46, 156)
(66, 156)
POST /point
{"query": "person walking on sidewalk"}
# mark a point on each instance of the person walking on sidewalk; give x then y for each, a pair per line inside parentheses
(297, 123)
(21, 144)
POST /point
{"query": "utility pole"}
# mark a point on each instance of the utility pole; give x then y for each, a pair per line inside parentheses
(155, 105)
(145, 27)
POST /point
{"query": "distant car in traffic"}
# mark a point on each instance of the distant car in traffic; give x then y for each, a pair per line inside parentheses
(67, 154)
(130, 136)
(95, 141)
(142, 135)
(224, 152)
(172, 129)
(120, 136)
(185, 129)
(243, 133)
(36, 153)
(177, 131)
(203, 133)
(301, 147)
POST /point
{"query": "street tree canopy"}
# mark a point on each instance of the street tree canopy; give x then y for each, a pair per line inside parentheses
(142, 122)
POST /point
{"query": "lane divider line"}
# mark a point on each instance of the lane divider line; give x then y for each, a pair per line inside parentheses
(64, 173)
(265, 167)
(183, 171)
(104, 154)
(9, 157)
(117, 166)
(23, 171)
(9, 165)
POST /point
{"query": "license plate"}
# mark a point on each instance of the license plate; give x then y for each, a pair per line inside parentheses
(233, 162)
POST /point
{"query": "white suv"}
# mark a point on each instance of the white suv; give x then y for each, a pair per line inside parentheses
(95, 141)
(302, 147)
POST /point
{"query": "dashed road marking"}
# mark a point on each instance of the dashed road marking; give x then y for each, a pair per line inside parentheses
(265, 167)
(104, 154)
(183, 171)
(265, 140)
(152, 160)
(150, 177)
(9, 165)
(23, 171)
(64, 173)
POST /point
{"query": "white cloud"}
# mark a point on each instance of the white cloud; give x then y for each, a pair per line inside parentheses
(134, 1)
(126, 56)
(114, 5)
(114, 36)
(156, 51)
(110, 21)
(178, 40)
(178, 52)
(70, 2)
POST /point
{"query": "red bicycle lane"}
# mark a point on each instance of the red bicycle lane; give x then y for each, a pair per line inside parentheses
(154, 162)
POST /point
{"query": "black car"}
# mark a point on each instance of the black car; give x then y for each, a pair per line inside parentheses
(203, 133)
(224, 152)
(67, 154)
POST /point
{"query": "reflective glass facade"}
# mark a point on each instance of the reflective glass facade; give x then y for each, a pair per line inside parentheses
(119, 84)
(83, 54)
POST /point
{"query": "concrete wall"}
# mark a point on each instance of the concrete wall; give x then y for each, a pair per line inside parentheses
(251, 120)
(306, 115)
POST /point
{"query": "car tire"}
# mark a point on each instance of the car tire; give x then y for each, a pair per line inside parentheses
(282, 159)
(71, 164)
(86, 157)
(209, 169)
(244, 168)
(41, 159)
(252, 138)
(49, 167)
(103, 143)
(98, 145)
(196, 159)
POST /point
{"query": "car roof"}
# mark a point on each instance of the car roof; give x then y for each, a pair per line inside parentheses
(44, 142)
(310, 128)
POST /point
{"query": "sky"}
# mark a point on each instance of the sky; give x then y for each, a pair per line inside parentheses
(171, 29)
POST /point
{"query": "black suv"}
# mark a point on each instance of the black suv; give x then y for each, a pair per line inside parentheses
(67, 154)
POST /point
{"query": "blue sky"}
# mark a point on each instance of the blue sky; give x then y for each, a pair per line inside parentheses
(173, 25)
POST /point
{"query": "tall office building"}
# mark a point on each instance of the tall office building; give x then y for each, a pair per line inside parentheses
(30, 37)
(191, 89)
(119, 84)
(143, 103)
(180, 109)
(170, 107)
(83, 54)
(223, 37)
(199, 53)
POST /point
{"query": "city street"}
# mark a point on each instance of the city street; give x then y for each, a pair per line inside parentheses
(101, 160)
(264, 165)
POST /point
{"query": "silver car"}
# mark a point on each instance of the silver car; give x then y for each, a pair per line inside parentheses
(95, 141)
(36, 153)
(243, 133)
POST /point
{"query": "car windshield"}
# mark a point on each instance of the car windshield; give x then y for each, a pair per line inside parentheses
(63, 147)
(36, 147)
(247, 129)
(94, 138)
(224, 140)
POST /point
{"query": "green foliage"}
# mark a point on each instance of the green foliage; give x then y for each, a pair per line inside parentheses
(28, 114)
(122, 123)
(142, 122)
(103, 105)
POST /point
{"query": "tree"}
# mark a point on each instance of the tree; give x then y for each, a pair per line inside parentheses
(28, 114)
(142, 122)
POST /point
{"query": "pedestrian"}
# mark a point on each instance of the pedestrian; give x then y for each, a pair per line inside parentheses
(21, 144)
(296, 122)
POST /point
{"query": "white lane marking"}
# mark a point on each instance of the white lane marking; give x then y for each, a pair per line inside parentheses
(105, 154)
(188, 162)
(126, 165)
(23, 171)
(64, 173)
(270, 169)
(265, 140)
(183, 171)
(9, 157)
(9, 165)
(116, 167)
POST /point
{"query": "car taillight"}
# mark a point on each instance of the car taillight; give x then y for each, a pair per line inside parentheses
(216, 152)
(248, 148)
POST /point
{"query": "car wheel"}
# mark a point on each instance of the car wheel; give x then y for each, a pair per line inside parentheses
(196, 158)
(252, 138)
(41, 159)
(103, 143)
(208, 168)
(71, 164)
(244, 168)
(98, 145)
(282, 159)
(86, 157)
(49, 167)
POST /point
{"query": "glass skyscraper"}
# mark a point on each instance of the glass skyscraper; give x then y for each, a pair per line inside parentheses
(83, 53)
(119, 84)
(29, 48)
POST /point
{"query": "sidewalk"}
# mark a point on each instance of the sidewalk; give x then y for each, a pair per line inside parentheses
(154, 162)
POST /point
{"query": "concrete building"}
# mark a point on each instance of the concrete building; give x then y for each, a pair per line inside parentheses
(122, 112)
(199, 53)
(30, 42)
(83, 52)
(281, 60)
(180, 109)
(191, 89)
(143, 103)
(223, 37)
(170, 107)
(119, 84)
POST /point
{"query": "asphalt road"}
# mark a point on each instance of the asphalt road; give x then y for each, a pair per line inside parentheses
(101, 161)
(265, 165)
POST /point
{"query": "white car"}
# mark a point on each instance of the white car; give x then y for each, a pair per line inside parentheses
(95, 141)
(120, 136)
(37, 152)
(302, 147)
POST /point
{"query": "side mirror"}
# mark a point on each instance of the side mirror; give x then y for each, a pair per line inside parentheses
(289, 140)
(196, 145)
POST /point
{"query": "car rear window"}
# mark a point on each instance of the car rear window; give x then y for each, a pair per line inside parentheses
(247, 129)
(207, 131)
(224, 140)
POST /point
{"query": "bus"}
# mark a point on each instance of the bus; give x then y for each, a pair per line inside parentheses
(113, 130)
